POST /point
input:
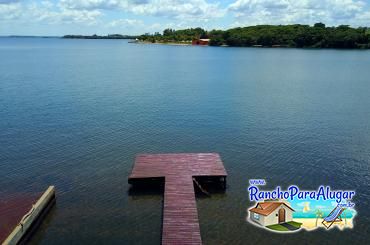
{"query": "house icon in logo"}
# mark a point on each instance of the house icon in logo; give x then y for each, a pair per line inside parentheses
(271, 212)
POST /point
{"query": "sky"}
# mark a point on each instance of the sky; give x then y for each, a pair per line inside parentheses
(60, 17)
(307, 208)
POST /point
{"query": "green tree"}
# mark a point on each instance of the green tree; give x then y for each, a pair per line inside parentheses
(316, 36)
(319, 25)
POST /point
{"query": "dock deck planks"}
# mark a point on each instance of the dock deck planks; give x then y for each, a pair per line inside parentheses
(180, 215)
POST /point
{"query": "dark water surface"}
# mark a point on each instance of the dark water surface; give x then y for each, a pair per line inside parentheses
(73, 113)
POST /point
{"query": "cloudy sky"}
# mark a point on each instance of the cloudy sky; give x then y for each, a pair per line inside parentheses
(59, 17)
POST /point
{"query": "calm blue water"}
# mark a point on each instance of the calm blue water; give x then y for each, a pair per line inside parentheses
(73, 113)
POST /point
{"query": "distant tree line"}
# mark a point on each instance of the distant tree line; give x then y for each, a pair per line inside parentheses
(171, 35)
(109, 36)
(299, 36)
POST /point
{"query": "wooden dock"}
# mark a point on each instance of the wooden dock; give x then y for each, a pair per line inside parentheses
(27, 221)
(180, 216)
(12, 209)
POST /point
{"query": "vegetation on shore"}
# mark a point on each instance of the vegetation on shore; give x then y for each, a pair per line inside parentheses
(297, 36)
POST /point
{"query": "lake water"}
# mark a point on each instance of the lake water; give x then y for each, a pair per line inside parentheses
(74, 113)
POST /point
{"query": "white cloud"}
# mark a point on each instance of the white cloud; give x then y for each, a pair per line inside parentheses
(177, 9)
(125, 23)
(91, 4)
(71, 16)
(248, 5)
(363, 18)
(10, 10)
(8, 1)
(179, 14)
(249, 12)
(46, 12)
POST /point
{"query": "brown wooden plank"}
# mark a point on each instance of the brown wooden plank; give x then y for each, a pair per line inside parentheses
(180, 215)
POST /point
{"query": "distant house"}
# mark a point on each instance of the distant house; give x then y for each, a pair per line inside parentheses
(202, 41)
(271, 213)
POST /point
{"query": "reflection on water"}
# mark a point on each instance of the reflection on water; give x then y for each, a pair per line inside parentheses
(38, 232)
(144, 188)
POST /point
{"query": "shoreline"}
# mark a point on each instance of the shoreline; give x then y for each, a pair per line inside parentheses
(256, 46)
(164, 43)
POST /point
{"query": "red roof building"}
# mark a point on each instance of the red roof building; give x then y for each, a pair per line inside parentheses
(201, 41)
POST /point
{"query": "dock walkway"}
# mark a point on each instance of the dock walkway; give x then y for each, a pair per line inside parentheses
(180, 215)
